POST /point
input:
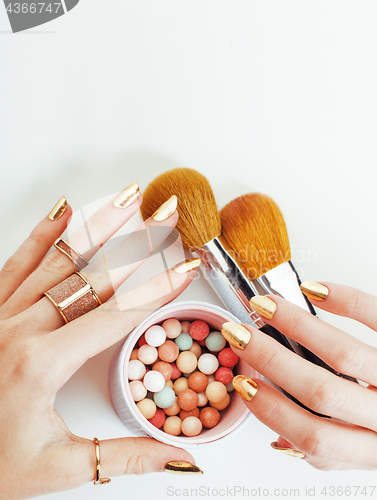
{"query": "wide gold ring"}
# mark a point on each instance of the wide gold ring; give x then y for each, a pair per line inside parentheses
(73, 297)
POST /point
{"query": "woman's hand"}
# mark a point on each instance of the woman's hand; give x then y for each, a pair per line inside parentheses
(39, 353)
(349, 439)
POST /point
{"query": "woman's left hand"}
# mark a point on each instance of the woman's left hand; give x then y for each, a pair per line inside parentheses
(349, 439)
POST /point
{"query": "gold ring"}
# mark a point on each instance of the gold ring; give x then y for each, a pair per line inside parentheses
(73, 297)
(98, 480)
(76, 257)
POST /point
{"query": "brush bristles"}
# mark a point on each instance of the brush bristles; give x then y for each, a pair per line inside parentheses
(254, 228)
(199, 218)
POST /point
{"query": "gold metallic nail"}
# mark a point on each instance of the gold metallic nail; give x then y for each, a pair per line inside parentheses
(127, 196)
(182, 468)
(58, 209)
(166, 209)
(186, 266)
(288, 451)
(264, 306)
(237, 335)
(314, 290)
(245, 387)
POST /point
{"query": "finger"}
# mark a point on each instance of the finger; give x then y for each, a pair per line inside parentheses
(27, 258)
(345, 301)
(284, 446)
(117, 457)
(86, 240)
(107, 273)
(341, 351)
(315, 387)
(322, 440)
(70, 346)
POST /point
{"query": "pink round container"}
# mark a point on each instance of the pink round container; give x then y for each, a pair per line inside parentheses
(231, 418)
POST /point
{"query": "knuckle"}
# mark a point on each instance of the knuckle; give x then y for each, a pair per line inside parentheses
(56, 262)
(267, 359)
(319, 443)
(324, 466)
(273, 415)
(28, 361)
(356, 304)
(349, 359)
(135, 465)
(296, 323)
(327, 398)
(13, 265)
(37, 236)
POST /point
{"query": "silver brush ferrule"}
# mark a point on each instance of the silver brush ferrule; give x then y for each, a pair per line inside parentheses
(228, 281)
(284, 280)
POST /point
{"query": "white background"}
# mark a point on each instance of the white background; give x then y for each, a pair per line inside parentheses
(271, 96)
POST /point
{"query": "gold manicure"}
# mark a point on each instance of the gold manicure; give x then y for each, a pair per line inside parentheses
(58, 209)
(237, 335)
(245, 387)
(186, 266)
(125, 198)
(182, 468)
(264, 306)
(288, 451)
(314, 290)
(166, 209)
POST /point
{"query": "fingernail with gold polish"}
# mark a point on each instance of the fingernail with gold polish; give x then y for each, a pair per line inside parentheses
(182, 468)
(58, 209)
(314, 290)
(245, 387)
(288, 451)
(166, 209)
(264, 306)
(237, 335)
(186, 266)
(126, 197)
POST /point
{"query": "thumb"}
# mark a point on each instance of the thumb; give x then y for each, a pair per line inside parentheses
(122, 456)
(138, 456)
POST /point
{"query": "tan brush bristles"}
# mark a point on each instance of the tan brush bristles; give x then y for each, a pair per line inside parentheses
(199, 218)
(254, 228)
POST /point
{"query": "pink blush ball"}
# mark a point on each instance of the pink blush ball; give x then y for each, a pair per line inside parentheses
(227, 357)
(199, 330)
(158, 419)
(172, 328)
(224, 375)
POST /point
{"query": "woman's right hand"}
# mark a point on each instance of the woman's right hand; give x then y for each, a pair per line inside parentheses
(39, 353)
(349, 439)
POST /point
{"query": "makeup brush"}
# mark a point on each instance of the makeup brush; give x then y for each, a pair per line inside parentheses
(255, 230)
(199, 226)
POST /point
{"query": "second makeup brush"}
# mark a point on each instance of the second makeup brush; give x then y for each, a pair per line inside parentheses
(255, 230)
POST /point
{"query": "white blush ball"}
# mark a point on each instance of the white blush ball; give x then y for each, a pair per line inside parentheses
(154, 381)
(208, 363)
(136, 370)
(155, 336)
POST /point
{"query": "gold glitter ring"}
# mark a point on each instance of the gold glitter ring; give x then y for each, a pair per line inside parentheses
(98, 480)
(73, 297)
(76, 257)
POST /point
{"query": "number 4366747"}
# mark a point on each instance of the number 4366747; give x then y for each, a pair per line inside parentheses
(34, 8)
